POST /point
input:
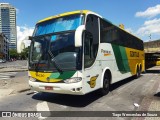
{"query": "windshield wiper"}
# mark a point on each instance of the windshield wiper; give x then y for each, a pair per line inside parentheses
(55, 62)
(36, 68)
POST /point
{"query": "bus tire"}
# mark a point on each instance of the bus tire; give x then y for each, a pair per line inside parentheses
(138, 72)
(106, 83)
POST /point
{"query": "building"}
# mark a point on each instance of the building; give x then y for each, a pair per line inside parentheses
(152, 46)
(8, 23)
(4, 47)
(22, 46)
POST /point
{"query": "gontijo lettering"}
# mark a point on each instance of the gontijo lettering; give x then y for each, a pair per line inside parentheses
(134, 54)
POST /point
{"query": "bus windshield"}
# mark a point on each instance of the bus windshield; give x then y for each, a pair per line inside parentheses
(59, 24)
(50, 51)
(53, 47)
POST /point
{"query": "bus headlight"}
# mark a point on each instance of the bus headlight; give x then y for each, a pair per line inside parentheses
(73, 80)
(32, 79)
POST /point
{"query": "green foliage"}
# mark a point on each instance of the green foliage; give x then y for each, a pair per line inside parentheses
(24, 54)
(13, 53)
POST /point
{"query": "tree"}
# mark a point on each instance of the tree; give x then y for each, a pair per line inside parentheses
(13, 53)
(24, 53)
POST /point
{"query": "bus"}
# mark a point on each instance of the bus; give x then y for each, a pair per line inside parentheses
(79, 52)
(152, 59)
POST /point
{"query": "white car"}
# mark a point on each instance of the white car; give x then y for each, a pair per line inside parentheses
(4, 60)
(1, 60)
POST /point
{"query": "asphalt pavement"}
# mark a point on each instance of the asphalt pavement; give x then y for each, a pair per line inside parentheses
(17, 63)
(14, 66)
(13, 77)
(142, 94)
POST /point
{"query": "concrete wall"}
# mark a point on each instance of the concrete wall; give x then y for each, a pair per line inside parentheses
(152, 46)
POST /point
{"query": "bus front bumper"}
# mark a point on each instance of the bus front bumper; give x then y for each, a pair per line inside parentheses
(61, 88)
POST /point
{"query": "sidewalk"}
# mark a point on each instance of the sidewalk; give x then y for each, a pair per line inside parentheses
(13, 86)
(15, 66)
(16, 84)
(13, 69)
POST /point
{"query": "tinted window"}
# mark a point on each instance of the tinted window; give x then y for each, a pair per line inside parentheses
(112, 34)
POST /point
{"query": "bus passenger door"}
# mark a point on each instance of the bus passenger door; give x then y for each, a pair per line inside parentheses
(92, 66)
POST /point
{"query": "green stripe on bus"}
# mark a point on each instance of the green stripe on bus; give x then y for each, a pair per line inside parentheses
(121, 58)
(64, 75)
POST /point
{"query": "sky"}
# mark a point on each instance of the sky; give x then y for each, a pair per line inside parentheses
(140, 17)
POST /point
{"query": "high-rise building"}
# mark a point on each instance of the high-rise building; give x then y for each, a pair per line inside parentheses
(4, 47)
(8, 23)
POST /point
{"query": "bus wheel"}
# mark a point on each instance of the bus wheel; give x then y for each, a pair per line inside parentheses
(106, 84)
(138, 73)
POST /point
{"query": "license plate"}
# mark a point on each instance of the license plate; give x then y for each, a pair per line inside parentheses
(48, 88)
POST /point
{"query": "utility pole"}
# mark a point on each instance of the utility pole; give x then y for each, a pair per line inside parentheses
(150, 37)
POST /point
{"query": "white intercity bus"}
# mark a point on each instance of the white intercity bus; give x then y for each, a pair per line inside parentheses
(79, 52)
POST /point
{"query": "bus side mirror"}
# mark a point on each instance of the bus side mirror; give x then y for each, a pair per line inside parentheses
(78, 36)
(28, 38)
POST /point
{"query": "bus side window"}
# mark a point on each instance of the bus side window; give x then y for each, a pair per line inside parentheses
(91, 40)
(109, 33)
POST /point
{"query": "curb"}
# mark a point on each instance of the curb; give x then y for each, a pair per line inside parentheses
(2, 67)
(13, 71)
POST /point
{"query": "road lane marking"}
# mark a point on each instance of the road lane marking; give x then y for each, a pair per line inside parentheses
(43, 106)
(7, 75)
(6, 78)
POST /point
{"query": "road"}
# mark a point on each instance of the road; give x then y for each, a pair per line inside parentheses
(128, 95)
(16, 63)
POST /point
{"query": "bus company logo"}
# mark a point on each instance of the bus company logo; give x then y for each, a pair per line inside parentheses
(134, 54)
(93, 81)
(40, 75)
(106, 52)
